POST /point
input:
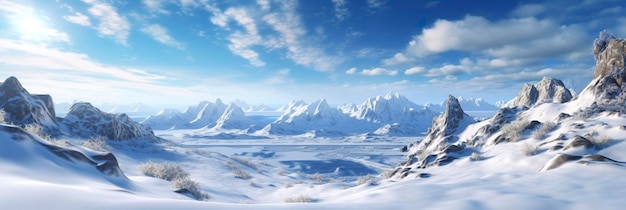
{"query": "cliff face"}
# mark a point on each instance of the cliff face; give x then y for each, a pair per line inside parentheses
(22, 108)
(609, 76)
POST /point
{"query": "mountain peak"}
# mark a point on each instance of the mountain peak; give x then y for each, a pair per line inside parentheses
(548, 90)
(12, 85)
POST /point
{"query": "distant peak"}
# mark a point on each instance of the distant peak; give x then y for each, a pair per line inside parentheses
(392, 95)
(219, 102)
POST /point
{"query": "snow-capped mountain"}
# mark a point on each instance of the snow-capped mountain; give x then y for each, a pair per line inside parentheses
(234, 118)
(23, 108)
(85, 120)
(203, 115)
(318, 117)
(348, 108)
(252, 108)
(468, 104)
(395, 114)
(545, 91)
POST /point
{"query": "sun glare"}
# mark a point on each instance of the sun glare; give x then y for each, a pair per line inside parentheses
(29, 26)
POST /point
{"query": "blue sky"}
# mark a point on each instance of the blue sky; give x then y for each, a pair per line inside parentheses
(179, 52)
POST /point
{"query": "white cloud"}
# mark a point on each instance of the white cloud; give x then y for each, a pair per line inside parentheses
(528, 10)
(112, 24)
(375, 4)
(351, 71)
(265, 4)
(415, 70)
(155, 6)
(378, 71)
(341, 11)
(516, 38)
(160, 34)
(78, 18)
(241, 42)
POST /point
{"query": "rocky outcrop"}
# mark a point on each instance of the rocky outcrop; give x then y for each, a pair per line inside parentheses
(610, 73)
(85, 120)
(22, 108)
(440, 146)
(548, 90)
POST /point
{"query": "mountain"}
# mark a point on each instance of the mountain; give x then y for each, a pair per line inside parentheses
(347, 108)
(205, 114)
(85, 120)
(468, 104)
(440, 145)
(317, 117)
(23, 108)
(395, 114)
(545, 91)
(234, 118)
(251, 108)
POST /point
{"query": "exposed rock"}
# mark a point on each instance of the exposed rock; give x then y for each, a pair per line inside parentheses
(22, 108)
(85, 120)
(548, 90)
(609, 75)
(578, 141)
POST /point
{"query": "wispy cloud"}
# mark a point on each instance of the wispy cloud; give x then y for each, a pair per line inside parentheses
(279, 77)
(351, 71)
(414, 70)
(379, 71)
(160, 34)
(375, 4)
(111, 23)
(155, 6)
(29, 25)
(341, 11)
(287, 33)
(78, 18)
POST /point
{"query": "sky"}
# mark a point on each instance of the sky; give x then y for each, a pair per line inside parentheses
(180, 52)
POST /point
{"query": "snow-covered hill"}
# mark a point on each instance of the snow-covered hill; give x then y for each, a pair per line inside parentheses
(233, 118)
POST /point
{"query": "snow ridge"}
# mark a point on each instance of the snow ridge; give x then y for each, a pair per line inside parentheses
(22, 108)
(85, 120)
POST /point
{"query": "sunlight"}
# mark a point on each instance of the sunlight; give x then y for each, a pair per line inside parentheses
(29, 26)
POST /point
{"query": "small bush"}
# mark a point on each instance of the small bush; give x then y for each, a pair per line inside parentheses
(3, 115)
(541, 131)
(191, 186)
(299, 199)
(475, 156)
(599, 140)
(97, 144)
(529, 149)
(371, 180)
(514, 129)
(245, 161)
(238, 172)
(319, 178)
(167, 170)
(37, 130)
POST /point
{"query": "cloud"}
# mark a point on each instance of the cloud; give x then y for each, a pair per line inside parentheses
(28, 55)
(378, 71)
(78, 18)
(415, 70)
(265, 4)
(516, 38)
(155, 6)
(351, 71)
(375, 4)
(279, 77)
(241, 41)
(160, 34)
(341, 11)
(112, 24)
(528, 10)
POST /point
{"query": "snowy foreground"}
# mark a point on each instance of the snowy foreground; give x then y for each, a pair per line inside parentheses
(286, 167)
